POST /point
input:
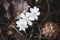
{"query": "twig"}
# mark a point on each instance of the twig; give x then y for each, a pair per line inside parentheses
(48, 7)
(2, 35)
(31, 35)
(15, 30)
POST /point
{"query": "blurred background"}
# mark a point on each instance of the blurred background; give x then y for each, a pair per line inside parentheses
(47, 27)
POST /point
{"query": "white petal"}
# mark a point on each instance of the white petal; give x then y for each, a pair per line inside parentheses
(17, 22)
(26, 26)
(30, 23)
(17, 26)
(31, 18)
(25, 22)
(27, 14)
(23, 29)
(36, 9)
(38, 13)
(36, 17)
(22, 15)
(19, 29)
(21, 20)
(31, 9)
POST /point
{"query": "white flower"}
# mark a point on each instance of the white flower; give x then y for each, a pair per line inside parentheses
(22, 24)
(35, 12)
(26, 17)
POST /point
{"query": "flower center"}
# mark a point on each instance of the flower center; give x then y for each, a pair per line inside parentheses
(33, 14)
(26, 19)
(22, 24)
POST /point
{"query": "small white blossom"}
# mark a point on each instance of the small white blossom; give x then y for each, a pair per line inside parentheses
(21, 24)
(35, 12)
(26, 17)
